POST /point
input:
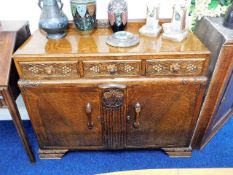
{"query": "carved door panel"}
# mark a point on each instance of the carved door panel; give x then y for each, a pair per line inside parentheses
(113, 114)
(163, 113)
(64, 116)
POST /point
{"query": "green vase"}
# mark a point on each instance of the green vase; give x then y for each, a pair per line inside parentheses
(84, 14)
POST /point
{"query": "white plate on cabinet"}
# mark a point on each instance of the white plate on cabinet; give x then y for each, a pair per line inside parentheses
(122, 39)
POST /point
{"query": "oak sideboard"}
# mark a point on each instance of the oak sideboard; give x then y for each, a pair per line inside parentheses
(82, 94)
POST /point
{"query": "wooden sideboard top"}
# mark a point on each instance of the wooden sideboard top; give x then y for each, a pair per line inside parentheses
(76, 45)
(8, 33)
(217, 24)
(7, 43)
(11, 26)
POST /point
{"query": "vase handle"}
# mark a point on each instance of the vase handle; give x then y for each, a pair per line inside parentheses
(39, 3)
(61, 4)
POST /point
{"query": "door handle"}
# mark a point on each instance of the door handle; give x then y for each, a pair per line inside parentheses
(89, 117)
(136, 123)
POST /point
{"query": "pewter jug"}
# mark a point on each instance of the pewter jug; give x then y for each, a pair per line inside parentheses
(52, 20)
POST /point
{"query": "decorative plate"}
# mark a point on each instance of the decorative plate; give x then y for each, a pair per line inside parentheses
(122, 39)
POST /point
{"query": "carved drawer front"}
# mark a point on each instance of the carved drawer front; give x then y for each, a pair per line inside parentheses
(171, 67)
(112, 68)
(50, 70)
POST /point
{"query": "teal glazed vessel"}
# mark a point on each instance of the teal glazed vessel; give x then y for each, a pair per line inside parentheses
(84, 14)
(52, 20)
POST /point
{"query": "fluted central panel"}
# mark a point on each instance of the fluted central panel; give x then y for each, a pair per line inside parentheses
(114, 118)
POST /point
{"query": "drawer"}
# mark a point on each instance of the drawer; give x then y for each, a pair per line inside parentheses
(50, 70)
(171, 67)
(112, 68)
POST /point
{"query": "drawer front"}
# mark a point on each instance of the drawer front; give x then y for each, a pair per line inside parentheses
(171, 67)
(112, 68)
(50, 70)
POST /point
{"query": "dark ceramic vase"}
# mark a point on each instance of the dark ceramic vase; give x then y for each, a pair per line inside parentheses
(228, 21)
(84, 14)
(52, 20)
(117, 15)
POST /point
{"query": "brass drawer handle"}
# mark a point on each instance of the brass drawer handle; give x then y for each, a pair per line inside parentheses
(175, 68)
(88, 112)
(112, 69)
(49, 70)
(136, 124)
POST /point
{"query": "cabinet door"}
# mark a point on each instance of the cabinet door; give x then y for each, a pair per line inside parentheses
(62, 115)
(163, 113)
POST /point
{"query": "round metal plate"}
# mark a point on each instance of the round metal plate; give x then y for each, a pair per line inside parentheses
(122, 39)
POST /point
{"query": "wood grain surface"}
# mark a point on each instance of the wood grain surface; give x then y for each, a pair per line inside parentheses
(75, 44)
(219, 40)
(7, 43)
(82, 94)
(12, 35)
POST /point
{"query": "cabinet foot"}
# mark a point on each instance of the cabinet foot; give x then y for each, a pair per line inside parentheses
(52, 154)
(178, 152)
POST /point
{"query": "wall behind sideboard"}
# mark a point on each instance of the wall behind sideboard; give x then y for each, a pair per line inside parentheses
(29, 10)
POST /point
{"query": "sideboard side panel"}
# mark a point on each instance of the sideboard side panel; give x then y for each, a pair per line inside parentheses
(214, 95)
